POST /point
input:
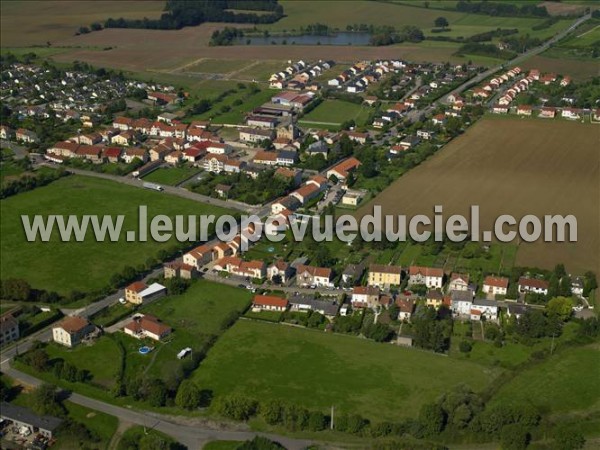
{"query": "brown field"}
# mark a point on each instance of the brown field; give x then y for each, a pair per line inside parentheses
(578, 69)
(517, 167)
(558, 9)
(34, 22)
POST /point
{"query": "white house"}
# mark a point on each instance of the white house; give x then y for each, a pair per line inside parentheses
(495, 285)
(429, 276)
(533, 285)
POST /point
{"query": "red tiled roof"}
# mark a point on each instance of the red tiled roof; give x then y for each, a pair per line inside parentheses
(500, 282)
(269, 300)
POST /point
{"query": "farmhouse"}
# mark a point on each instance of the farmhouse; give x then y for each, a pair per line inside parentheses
(429, 276)
(269, 303)
(533, 285)
(138, 292)
(384, 276)
(495, 285)
(147, 326)
(72, 330)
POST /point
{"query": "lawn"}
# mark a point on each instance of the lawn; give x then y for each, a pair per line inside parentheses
(337, 111)
(87, 265)
(318, 370)
(171, 176)
(195, 317)
(102, 359)
(568, 381)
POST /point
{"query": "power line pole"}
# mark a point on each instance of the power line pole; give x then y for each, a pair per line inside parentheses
(332, 411)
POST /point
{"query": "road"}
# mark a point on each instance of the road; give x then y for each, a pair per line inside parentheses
(520, 58)
(191, 432)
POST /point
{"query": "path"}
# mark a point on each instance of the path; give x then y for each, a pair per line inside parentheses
(116, 438)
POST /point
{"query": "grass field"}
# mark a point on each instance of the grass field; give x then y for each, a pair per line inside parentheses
(517, 167)
(318, 370)
(171, 176)
(218, 66)
(236, 113)
(336, 112)
(566, 382)
(83, 266)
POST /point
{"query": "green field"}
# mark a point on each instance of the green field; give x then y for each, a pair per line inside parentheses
(195, 317)
(218, 66)
(567, 382)
(171, 176)
(261, 70)
(235, 113)
(318, 370)
(87, 265)
(335, 112)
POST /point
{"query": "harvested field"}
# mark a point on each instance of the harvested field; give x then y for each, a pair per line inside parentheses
(517, 167)
(35, 22)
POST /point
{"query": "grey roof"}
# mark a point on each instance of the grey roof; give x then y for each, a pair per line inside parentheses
(25, 415)
(461, 296)
(328, 307)
(318, 147)
(517, 308)
(354, 270)
(287, 154)
(484, 302)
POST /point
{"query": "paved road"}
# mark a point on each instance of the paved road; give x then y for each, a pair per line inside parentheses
(191, 432)
(520, 58)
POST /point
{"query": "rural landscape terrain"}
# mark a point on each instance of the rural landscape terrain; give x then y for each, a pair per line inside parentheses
(169, 111)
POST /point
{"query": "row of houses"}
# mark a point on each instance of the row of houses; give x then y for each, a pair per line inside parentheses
(298, 76)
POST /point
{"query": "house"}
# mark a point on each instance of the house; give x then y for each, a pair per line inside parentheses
(425, 134)
(313, 276)
(265, 157)
(6, 133)
(139, 293)
(533, 285)
(500, 109)
(72, 330)
(218, 148)
(365, 297)
(66, 149)
(9, 329)
(23, 418)
(431, 277)
(305, 303)
(577, 286)
(174, 157)
(571, 113)
(147, 326)
(178, 269)
(516, 310)
(434, 298)
(289, 174)
(287, 158)
(486, 309)
(133, 153)
(384, 276)
(353, 273)
(269, 303)
(199, 256)
(406, 307)
(342, 170)
(318, 148)
(90, 152)
(596, 115)
(236, 266)
(306, 193)
(410, 141)
(290, 203)
(547, 112)
(438, 119)
(461, 302)
(214, 163)
(495, 285)
(255, 135)
(261, 121)
(524, 110)
(355, 136)
(194, 154)
(280, 270)
(352, 197)
(112, 154)
(27, 136)
(222, 189)
(458, 282)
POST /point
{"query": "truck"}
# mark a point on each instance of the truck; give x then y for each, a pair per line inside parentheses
(153, 186)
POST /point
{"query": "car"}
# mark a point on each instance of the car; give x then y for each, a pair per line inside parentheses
(122, 301)
(249, 287)
(241, 286)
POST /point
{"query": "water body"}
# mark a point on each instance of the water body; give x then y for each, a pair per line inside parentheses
(308, 39)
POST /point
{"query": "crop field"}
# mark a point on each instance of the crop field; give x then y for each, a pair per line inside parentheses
(566, 382)
(37, 22)
(171, 176)
(517, 167)
(555, 60)
(87, 265)
(334, 112)
(317, 370)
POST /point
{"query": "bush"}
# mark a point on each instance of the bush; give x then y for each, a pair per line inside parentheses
(236, 407)
(465, 346)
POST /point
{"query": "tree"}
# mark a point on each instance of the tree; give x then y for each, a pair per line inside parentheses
(560, 308)
(236, 406)
(38, 359)
(272, 412)
(514, 437)
(566, 438)
(45, 401)
(433, 418)
(260, 443)
(441, 22)
(188, 395)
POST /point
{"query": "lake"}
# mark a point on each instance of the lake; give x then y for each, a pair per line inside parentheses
(344, 38)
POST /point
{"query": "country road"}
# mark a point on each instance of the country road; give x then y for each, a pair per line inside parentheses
(191, 432)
